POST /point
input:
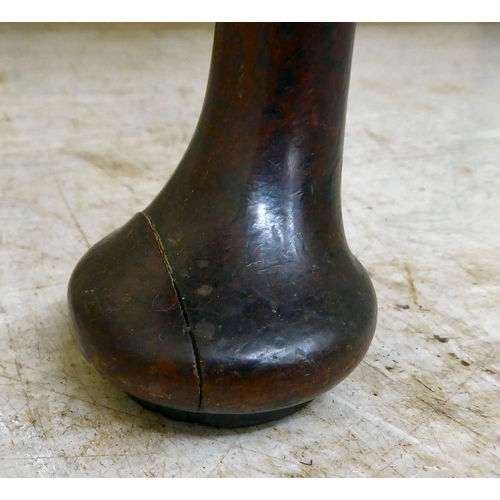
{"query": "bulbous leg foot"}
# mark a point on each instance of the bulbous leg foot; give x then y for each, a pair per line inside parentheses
(234, 299)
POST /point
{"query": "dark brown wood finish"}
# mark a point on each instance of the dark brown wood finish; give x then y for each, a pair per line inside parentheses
(253, 293)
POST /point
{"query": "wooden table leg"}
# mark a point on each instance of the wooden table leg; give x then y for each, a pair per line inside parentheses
(233, 299)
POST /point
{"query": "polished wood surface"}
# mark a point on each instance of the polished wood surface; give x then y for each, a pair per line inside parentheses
(234, 293)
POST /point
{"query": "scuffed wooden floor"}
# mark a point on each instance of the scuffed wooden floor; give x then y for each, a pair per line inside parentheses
(93, 120)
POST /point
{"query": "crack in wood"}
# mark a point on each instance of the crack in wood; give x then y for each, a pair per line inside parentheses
(187, 321)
